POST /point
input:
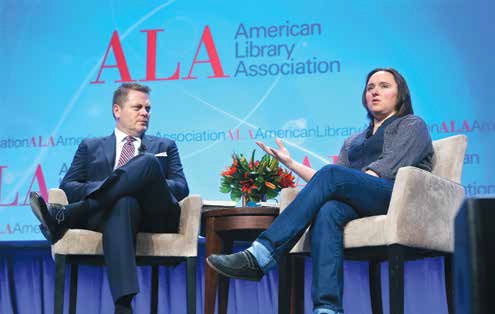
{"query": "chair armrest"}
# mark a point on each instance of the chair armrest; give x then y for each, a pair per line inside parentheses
(422, 210)
(57, 196)
(287, 195)
(190, 216)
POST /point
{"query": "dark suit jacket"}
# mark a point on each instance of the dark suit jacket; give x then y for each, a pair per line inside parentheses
(94, 161)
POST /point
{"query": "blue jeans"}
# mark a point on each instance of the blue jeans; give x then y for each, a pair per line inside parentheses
(334, 196)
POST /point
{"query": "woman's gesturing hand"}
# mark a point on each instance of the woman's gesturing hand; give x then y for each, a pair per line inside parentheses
(282, 154)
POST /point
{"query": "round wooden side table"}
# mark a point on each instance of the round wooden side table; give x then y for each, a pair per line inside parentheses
(222, 226)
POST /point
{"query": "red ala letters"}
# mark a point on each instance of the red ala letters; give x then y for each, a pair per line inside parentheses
(205, 41)
(40, 180)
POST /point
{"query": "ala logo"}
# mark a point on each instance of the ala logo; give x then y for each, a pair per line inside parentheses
(205, 41)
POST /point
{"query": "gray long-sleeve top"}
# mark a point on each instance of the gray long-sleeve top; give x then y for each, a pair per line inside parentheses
(406, 142)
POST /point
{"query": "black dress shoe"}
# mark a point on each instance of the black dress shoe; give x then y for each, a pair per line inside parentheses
(52, 217)
(240, 265)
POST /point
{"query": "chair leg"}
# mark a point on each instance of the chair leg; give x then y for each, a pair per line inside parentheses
(297, 285)
(191, 284)
(58, 306)
(73, 288)
(223, 283)
(375, 287)
(154, 289)
(449, 285)
(396, 278)
(284, 280)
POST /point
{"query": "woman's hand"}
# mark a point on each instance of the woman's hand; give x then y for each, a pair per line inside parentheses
(281, 154)
(372, 173)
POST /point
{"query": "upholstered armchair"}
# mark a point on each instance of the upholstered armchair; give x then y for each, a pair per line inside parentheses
(85, 247)
(419, 223)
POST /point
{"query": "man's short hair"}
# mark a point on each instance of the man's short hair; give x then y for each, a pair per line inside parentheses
(120, 94)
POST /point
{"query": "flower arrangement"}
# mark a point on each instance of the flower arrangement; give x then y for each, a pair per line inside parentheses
(254, 179)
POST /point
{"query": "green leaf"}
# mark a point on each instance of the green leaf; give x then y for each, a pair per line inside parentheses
(271, 194)
(225, 189)
(235, 195)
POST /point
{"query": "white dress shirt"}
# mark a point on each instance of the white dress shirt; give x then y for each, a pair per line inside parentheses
(120, 141)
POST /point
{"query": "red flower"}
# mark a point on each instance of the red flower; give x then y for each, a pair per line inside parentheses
(286, 180)
(229, 171)
(245, 189)
(247, 186)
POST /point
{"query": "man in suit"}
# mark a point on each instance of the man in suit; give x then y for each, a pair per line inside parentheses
(119, 185)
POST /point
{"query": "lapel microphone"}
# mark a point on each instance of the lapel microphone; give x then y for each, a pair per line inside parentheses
(142, 148)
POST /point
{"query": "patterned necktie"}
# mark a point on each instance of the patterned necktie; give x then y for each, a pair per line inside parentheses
(127, 151)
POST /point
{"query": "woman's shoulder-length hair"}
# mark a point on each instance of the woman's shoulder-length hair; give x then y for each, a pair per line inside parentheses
(404, 105)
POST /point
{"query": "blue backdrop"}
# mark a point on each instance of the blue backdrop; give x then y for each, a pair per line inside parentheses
(285, 68)
(227, 74)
